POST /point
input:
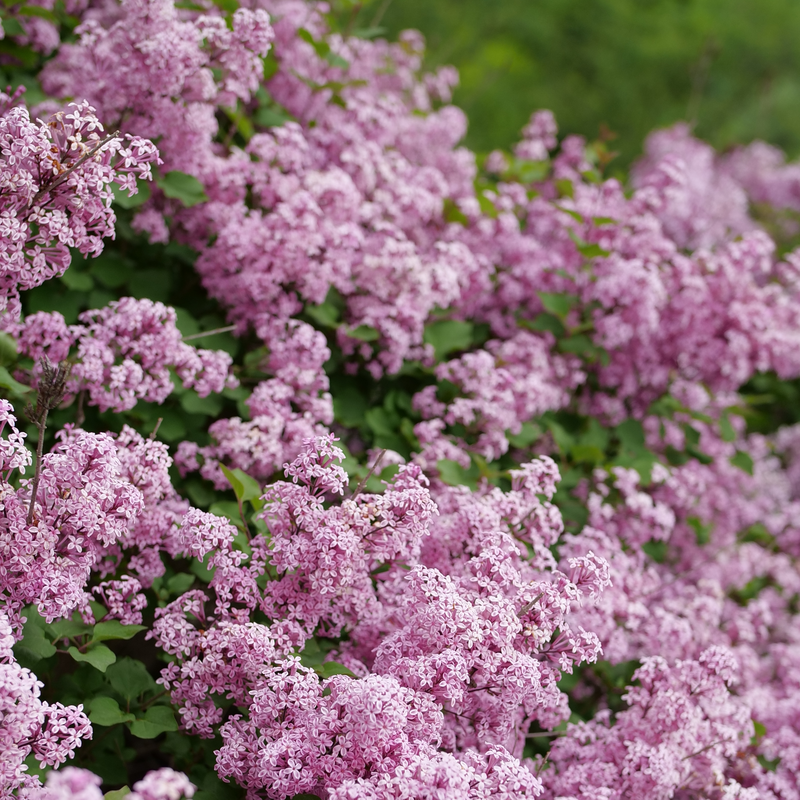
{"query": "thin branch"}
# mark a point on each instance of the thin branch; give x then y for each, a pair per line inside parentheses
(37, 472)
(369, 474)
(52, 388)
(155, 430)
(376, 20)
(69, 170)
(702, 750)
(226, 329)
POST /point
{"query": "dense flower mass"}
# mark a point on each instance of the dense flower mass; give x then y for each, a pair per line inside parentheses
(57, 179)
(123, 353)
(477, 498)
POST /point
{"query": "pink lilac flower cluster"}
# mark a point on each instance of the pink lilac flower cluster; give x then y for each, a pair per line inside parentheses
(72, 783)
(285, 410)
(680, 728)
(123, 353)
(51, 542)
(456, 614)
(57, 179)
(28, 725)
(463, 661)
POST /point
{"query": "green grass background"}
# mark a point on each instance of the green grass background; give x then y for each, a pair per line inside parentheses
(730, 66)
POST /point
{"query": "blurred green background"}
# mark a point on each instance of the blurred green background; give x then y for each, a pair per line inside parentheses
(731, 66)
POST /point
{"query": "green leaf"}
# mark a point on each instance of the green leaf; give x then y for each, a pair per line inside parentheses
(323, 49)
(368, 33)
(751, 590)
(702, 457)
(528, 434)
(726, 430)
(245, 488)
(180, 583)
(562, 438)
(77, 281)
(312, 655)
(758, 533)
(114, 629)
(8, 349)
(364, 333)
(130, 678)
(767, 764)
(37, 645)
(11, 27)
(580, 345)
(67, 628)
(123, 200)
(566, 189)
(692, 435)
(546, 322)
(335, 60)
(643, 464)
(329, 668)
(242, 122)
(117, 794)
(558, 304)
(270, 117)
(452, 213)
(743, 461)
(106, 711)
(380, 422)
(112, 269)
(210, 405)
(587, 453)
(657, 550)
(453, 474)
(99, 656)
(587, 249)
(200, 569)
(448, 336)
(157, 720)
(326, 315)
(180, 186)
(701, 530)
(7, 382)
(631, 434)
(36, 11)
(213, 788)
(227, 509)
(349, 406)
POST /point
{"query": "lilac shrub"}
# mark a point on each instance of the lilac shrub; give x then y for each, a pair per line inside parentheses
(477, 502)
